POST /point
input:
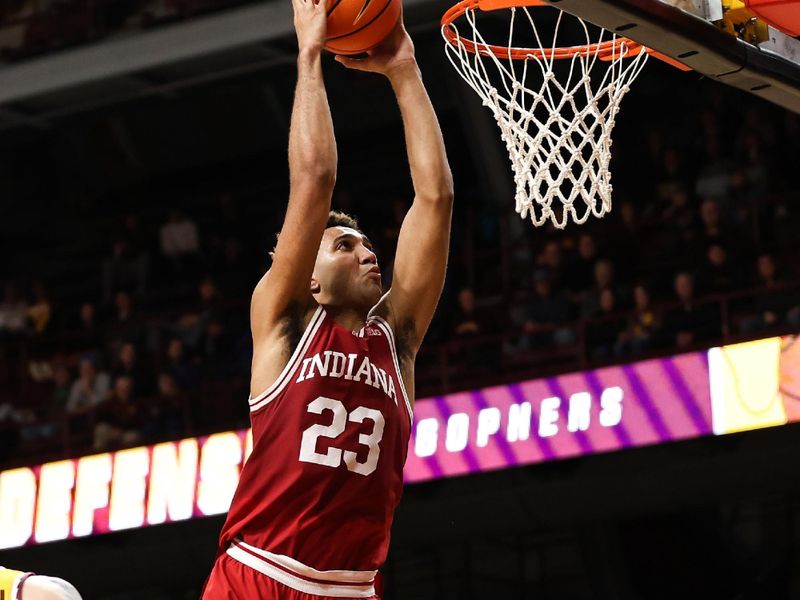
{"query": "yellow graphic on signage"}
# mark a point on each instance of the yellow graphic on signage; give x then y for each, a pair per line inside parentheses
(755, 384)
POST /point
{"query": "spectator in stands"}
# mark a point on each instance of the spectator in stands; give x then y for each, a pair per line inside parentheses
(470, 321)
(136, 238)
(13, 313)
(690, 322)
(718, 273)
(649, 156)
(126, 324)
(750, 181)
(181, 367)
(603, 280)
(228, 221)
(216, 350)
(670, 225)
(233, 269)
(180, 243)
(712, 228)
(580, 272)
(680, 216)
(160, 10)
(165, 414)
(10, 420)
(552, 258)
(129, 365)
(15, 16)
(549, 307)
(605, 330)
(88, 327)
(209, 294)
(642, 327)
(62, 386)
(625, 240)
(775, 304)
(714, 178)
(467, 320)
(191, 324)
(45, 420)
(83, 329)
(673, 175)
(119, 419)
(126, 268)
(90, 389)
(391, 229)
(41, 311)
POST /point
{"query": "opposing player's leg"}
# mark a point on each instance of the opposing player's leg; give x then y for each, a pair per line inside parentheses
(42, 587)
(22, 585)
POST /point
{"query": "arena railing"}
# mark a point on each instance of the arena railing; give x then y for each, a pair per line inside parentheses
(39, 27)
(467, 362)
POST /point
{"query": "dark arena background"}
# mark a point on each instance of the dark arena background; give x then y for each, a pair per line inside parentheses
(604, 412)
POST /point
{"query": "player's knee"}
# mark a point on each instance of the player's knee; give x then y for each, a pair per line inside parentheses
(40, 587)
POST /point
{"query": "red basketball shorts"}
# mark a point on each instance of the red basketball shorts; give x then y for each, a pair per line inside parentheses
(233, 580)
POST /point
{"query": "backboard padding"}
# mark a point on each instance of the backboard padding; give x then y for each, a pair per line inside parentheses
(697, 43)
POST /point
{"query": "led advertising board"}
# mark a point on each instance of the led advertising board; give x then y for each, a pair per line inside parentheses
(726, 389)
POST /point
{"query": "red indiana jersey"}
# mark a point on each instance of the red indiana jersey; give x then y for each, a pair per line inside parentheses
(317, 496)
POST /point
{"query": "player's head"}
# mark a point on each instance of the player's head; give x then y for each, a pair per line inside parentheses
(346, 273)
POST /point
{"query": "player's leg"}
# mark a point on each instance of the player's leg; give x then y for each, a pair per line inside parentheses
(41, 587)
(232, 580)
(224, 580)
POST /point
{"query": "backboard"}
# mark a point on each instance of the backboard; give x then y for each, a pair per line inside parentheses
(557, 123)
(721, 39)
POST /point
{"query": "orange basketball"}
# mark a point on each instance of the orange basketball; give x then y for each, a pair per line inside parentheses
(355, 26)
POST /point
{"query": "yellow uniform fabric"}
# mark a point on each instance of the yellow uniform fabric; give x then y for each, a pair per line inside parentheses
(10, 583)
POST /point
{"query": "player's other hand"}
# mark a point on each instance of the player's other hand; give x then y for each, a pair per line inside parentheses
(388, 57)
(311, 24)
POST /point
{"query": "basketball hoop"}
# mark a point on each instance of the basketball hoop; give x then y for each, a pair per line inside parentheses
(557, 130)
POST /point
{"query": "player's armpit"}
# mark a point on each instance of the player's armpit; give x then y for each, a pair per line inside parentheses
(269, 313)
(419, 268)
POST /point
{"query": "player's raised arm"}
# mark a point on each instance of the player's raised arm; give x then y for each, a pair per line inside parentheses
(312, 174)
(422, 248)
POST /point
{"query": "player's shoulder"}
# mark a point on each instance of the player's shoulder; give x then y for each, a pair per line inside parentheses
(269, 308)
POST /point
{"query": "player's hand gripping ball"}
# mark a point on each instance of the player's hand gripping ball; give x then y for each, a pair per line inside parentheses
(355, 26)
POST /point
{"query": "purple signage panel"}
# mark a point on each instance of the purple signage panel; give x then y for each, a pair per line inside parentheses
(727, 389)
(643, 403)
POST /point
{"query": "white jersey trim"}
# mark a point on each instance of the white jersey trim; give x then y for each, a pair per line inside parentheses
(300, 577)
(387, 331)
(285, 377)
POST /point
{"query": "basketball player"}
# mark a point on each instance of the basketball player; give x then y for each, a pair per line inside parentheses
(333, 367)
(19, 585)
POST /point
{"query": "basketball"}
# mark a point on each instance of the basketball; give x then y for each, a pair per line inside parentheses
(355, 26)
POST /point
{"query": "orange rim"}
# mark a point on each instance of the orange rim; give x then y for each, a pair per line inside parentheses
(608, 50)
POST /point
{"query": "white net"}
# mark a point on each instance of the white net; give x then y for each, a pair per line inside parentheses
(555, 116)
